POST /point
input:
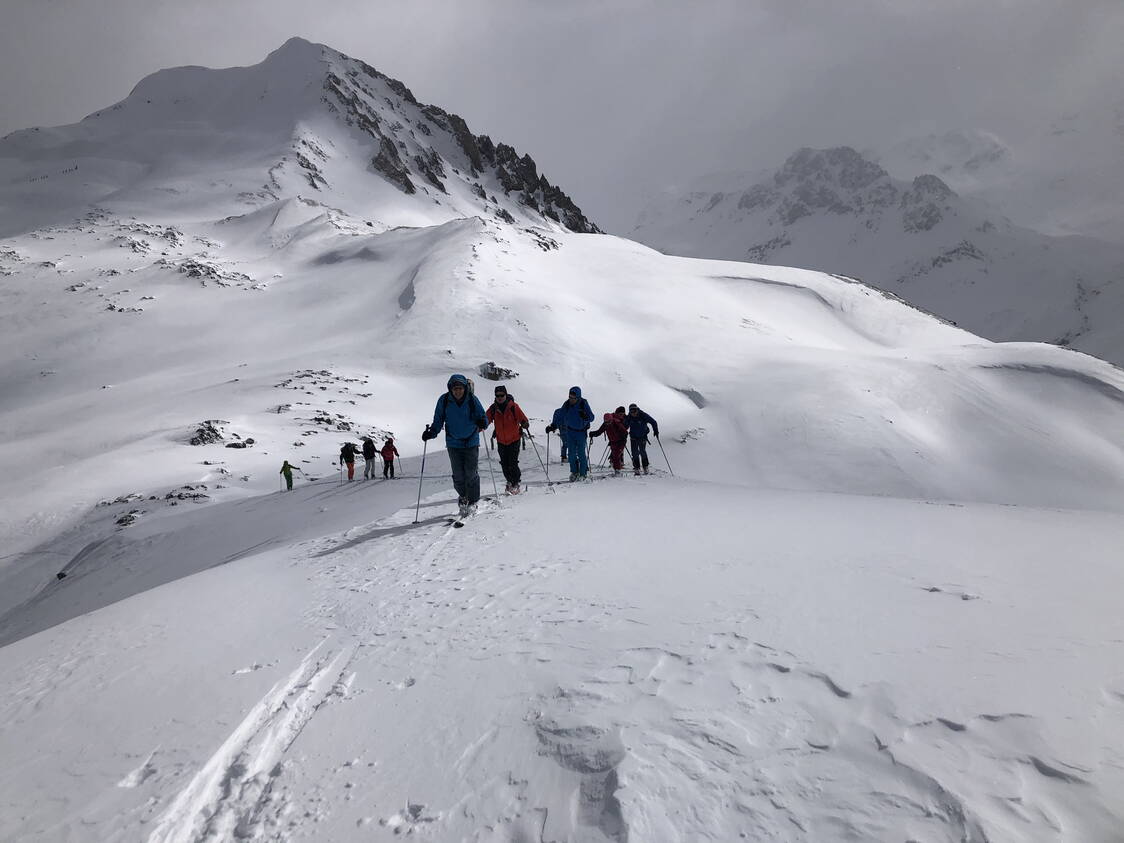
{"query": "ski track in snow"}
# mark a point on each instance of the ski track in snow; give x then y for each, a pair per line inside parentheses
(233, 795)
(752, 738)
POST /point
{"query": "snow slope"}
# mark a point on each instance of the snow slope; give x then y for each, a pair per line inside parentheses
(875, 601)
(959, 258)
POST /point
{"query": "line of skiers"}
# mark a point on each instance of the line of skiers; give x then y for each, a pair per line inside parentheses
(348, 454)
(388, 452)
(463, 418)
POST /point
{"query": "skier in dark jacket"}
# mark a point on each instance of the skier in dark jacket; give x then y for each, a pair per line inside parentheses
(556, 423)
(615, 428)
(347, 456)
(462, 415)
(368, 458)
(576, 416)
(638, 422)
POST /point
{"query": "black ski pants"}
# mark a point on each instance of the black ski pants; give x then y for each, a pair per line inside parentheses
(466, 476)
(509, 461)
(639, 451)
(388, 469)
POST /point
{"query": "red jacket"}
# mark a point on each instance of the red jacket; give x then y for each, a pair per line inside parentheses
(388, 451)
(509, 420)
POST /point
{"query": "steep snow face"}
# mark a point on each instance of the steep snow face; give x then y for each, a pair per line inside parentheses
(307, 120)
(1065, 178)
(838, 211)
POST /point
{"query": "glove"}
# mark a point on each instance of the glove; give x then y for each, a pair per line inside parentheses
(592, 435)
(551, 428)
(481, 426)
(426, 436)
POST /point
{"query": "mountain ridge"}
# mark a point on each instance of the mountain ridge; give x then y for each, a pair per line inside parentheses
(838, 211)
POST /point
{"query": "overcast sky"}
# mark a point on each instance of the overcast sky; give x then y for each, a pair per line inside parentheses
(614, 98)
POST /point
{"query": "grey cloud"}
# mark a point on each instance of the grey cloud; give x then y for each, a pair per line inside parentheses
(614, 98)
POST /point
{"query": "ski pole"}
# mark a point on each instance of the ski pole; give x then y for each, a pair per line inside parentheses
(421, 475)
(605, 454)
(545, 471)
(662, 451)
(492, 470)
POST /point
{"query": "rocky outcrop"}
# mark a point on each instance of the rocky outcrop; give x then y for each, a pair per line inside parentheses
(923, 205)
(492, 372)
(389, 163)
(359, 93)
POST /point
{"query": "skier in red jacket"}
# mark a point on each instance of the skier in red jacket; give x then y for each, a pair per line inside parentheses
(389, 452)
(510, 421)
(615, 428)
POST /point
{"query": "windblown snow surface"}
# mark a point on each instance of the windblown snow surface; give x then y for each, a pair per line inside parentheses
(876, 600)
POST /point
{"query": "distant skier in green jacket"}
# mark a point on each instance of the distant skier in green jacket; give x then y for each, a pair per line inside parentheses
(288, 470)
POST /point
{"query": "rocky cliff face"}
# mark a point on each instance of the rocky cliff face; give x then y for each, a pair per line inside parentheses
(407, 133)
(842, 182)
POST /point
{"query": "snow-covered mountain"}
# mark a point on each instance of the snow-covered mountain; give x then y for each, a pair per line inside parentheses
(828, 622)
(1066, 178)
(307, 122)
(837, 211)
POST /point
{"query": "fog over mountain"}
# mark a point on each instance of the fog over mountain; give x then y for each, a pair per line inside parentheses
(616, 98)
(955, 256)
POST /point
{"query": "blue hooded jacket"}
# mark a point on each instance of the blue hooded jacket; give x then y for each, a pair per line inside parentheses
(574, 416)
(462, 422)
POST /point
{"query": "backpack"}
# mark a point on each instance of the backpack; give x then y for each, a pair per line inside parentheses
(615, 429)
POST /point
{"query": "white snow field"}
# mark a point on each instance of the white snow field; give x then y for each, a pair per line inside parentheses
(876, 600)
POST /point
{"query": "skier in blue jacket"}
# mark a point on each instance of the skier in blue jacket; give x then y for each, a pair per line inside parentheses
(462, 415)
(572, 420)
(638, 421)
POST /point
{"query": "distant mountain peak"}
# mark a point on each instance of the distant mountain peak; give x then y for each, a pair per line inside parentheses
(839, 211)
(841, 166)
